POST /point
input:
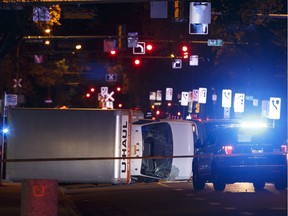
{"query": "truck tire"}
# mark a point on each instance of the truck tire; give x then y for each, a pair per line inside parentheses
(218, 183)
(259, 185)
(198, 183)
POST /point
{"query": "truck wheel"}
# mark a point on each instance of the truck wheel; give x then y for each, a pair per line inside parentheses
(280, 184)
(259, 185)
(218, 183)
(198, 183)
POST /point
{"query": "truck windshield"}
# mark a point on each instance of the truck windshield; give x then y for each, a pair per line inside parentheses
(158, 141)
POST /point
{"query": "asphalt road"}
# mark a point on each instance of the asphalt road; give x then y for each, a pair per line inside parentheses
(171, 199)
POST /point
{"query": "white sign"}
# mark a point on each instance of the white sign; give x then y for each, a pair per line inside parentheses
(226, 97)
(104, 91)
(274, 108)
(140, 48)
(202, 95)
(159, 95)
(193, 61)
(177, 63)
(184, 98)
(10, 100)
(152, 96)
(239, 100)
(195, 95)
(169, 94)
(200, 12)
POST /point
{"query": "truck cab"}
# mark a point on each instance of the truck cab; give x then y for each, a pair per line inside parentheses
(165, 149)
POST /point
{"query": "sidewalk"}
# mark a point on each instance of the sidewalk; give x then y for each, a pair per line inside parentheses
(10, 200)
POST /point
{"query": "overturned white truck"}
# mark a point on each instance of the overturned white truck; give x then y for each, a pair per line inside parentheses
(95, 146)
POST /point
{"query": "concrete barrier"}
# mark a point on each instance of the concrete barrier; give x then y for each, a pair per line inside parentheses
(39, 197)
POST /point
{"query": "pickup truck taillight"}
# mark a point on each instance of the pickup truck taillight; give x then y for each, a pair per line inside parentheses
(228, 149)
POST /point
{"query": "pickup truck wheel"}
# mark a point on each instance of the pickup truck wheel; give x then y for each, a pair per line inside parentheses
(198, 183)
(218, 183)
(259, 185)
(280, 183)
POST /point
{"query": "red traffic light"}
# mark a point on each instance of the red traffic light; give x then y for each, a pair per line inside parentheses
(118, 89)
(149, 47)
(92, 89)
(184, 48)
(88, 95)
(137, 62)
(185, 51)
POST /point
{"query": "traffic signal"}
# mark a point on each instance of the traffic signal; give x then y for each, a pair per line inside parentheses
(92, 89)
(149, 47)
(185, 51)
(118, 89)
(88, 95)
(137, 62)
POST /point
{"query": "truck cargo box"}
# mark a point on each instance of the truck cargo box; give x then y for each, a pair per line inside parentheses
(64, 134)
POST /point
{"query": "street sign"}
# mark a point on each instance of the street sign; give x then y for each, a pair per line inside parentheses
(215, 42)
(274, 108)
(193, 60)
(169, 94)
(132, 39)
(184, 98)
(159, 95)
(239, 100)
(199, 17)
(111, 77)
(226, 97)
(202, 95)
(177, 63)
(139, 49)
(195, 95)
(200, 12)
(104, 91)
(10, 100)
(152, 96)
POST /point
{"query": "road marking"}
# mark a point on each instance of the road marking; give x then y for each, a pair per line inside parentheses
(214, 203)
(247, 213)
(230, 208)
(178, 189)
